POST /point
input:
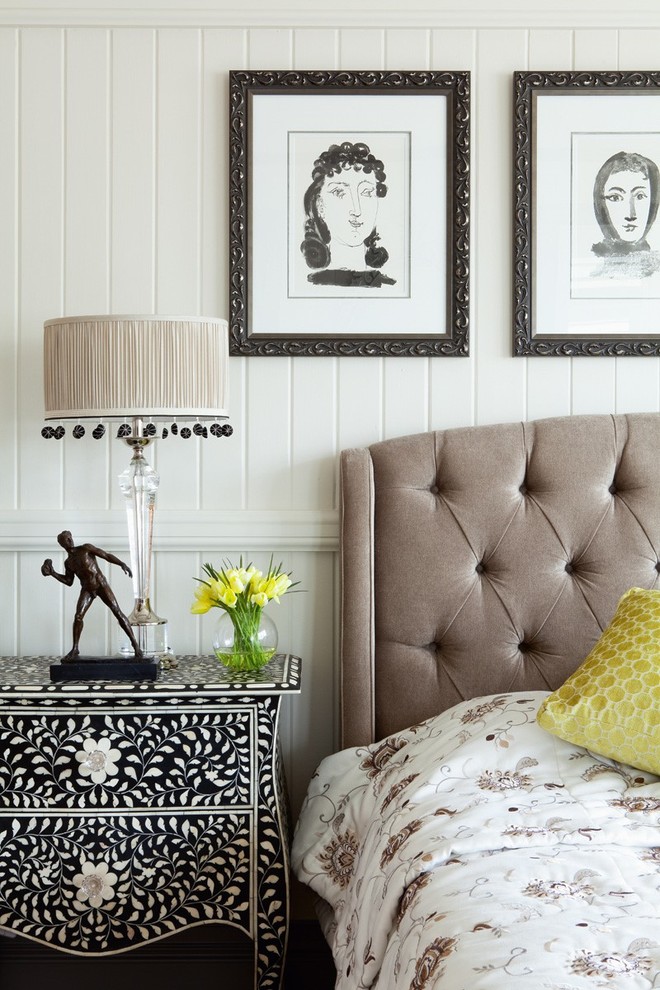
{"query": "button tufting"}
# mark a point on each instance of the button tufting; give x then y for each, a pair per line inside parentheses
(434, 489)
(480, 568)
(524, 647)
(657, 566)
(523, 489)
(569, 568)
(612, 488)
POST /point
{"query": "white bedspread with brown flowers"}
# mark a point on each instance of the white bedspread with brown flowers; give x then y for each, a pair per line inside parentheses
(477, 851)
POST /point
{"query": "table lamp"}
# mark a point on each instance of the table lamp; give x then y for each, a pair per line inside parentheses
(152, 374)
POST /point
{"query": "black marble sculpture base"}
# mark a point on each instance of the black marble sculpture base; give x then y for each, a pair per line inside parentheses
(106, 669)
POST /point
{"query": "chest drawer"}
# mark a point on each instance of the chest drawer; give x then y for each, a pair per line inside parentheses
(90, 883)
(144, 760)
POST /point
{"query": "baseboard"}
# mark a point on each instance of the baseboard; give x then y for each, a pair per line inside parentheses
(208, 956)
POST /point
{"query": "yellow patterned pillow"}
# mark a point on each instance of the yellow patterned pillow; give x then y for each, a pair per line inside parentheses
(611, 704)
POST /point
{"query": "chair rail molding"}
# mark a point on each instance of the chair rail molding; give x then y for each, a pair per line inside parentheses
(176, 530)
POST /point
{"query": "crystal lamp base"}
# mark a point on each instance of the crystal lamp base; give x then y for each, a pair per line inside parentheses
(151, 633)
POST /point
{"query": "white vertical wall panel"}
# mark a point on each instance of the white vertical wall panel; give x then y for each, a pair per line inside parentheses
(86, 225)
(597, 50)
(133, 195)
(549, 387)
(9, 611)
(362, 48)
(360, 396)
(314, 431)
(268, 423)
(173, 593)
(315, 48)
(637, 387)
(41, 235)
(500, 379)
(453, 49)
(452, 383)
(9, 164)
(405, 396)
(268, 433)
(550, 50)
(406, 380)
(638, 49)
(270, 48)
(594, 384)
(314, 716)
(132, 198)
(133, 149)
(44, 618)
(407, 49)
(223, 459)
(87, 187)
(548, 391)
(221, 52)
(178, 175)
(178, 227)
(222, 462)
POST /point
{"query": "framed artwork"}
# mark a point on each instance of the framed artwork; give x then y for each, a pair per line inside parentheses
(586, 226)
(349, 213)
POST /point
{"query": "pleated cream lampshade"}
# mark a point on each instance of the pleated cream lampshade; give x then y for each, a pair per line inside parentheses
(122, 367)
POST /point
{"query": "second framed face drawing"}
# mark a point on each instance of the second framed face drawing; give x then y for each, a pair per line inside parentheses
(586, 228)
(349, 225)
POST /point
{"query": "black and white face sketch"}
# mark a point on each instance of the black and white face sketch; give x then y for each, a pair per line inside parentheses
(625, 199)
(341, 243)
(614, 226)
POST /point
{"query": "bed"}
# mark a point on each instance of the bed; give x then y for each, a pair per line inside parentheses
(453, 842)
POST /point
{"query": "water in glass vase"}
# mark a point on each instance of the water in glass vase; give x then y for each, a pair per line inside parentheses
(245, 642)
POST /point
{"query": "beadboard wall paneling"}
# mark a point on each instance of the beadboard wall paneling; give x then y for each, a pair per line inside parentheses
(113, 198)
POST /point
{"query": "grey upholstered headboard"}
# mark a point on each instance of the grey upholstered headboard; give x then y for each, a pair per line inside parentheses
(488, 559)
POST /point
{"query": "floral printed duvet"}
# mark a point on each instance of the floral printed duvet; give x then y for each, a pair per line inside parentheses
(477, 851)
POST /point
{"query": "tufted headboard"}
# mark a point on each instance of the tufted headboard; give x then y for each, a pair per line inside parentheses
(488, 559)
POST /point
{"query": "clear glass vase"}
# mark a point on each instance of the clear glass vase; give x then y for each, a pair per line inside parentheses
(245, 642)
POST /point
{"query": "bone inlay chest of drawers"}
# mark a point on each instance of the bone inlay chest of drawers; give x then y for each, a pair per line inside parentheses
(129, 811)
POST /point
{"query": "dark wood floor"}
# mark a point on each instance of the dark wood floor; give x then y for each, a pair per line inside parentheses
(210, 956)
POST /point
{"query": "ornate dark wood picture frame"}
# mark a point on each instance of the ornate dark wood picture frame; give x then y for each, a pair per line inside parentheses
(349, 213)
(586, 239)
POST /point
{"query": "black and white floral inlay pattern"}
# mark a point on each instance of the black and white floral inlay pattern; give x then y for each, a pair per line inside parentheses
(128, 761)
(129, 811)
(97, 884)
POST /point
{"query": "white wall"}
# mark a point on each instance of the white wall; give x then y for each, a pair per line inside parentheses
(113, 198)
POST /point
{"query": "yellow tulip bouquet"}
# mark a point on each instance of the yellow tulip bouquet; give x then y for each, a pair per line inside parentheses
(242, 593)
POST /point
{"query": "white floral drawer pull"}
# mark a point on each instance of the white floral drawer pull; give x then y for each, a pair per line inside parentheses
(97, 760)
(95, 885)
